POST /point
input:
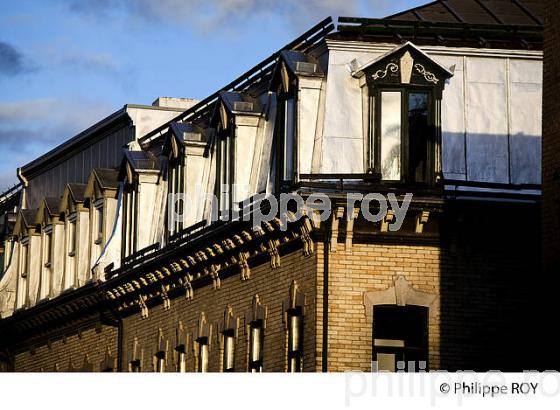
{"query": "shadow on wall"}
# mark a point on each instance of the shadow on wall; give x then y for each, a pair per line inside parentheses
(491, 287)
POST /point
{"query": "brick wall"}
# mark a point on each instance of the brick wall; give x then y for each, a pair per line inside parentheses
(484, 278)
(56, 356)
(551, 140)
(272, 286)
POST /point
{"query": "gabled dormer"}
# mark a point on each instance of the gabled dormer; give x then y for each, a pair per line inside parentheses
(29, 242)
(143, 196)
(188, 166)
(100, 197)
(237, 117)
(52, 256)
(298, 77)
(402, 92)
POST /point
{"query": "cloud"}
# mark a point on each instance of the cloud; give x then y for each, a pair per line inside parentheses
(92, 62)
(30, 128)
(12, 62)
(205, 15)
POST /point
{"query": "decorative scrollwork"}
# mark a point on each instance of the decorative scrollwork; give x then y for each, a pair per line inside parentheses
(428, 76)
(392, 67)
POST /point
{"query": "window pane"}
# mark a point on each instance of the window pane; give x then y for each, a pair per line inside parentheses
(386, 362)
(289, 140)
(418, 133)
(391, 135)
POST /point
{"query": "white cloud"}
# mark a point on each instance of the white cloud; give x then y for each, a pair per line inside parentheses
(206, 15)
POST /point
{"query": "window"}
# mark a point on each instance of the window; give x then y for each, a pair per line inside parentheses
(289, 142)
(176, 185)
(404, 89)
(159, 362)
(225, 178)
(181, 359)
(72, 235)
(70, 268)
(23, 279)
(48, 247)
(47, 262)
(130, 220)
(286, 141)
(256, 336)
(2, 261)
(295, 339)
(400, 338)
(99, 223)
(202, 363)
(134, 366)
(228, 358)
(405, 136)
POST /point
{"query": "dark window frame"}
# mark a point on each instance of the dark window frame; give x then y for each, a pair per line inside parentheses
(374, 138)
(401, 353)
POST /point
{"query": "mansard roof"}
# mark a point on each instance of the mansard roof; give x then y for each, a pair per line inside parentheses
(507, 24)
(257, 78)
(512, 12)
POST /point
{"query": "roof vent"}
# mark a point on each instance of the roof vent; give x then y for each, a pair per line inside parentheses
(242, 106)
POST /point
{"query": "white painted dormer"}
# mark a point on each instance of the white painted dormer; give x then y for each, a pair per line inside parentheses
(76, 227)
(52, 249)
(188, 174)
(29, 272)
(101, 200)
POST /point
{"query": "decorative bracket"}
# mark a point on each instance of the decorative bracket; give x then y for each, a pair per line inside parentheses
(421, 220)
(143, 307)
(389, 218)
(274, 253)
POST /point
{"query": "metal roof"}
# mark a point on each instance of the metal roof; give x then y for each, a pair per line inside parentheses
(508, 12)
(506, 24)
(107, 178)
(77, 191)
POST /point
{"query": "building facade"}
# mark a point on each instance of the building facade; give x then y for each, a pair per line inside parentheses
(421, 130)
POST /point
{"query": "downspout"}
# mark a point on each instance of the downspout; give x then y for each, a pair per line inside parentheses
(25, 184)
(324, 365)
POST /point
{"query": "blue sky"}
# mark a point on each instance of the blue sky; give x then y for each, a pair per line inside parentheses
(65, 64)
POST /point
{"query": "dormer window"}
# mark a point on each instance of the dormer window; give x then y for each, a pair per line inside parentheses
(72, 219)
(224, 165)
(46, 271)
(406, 135)
(98, 223)
(286, 127)
(47, 249)
(404, 91)
(23, 277)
